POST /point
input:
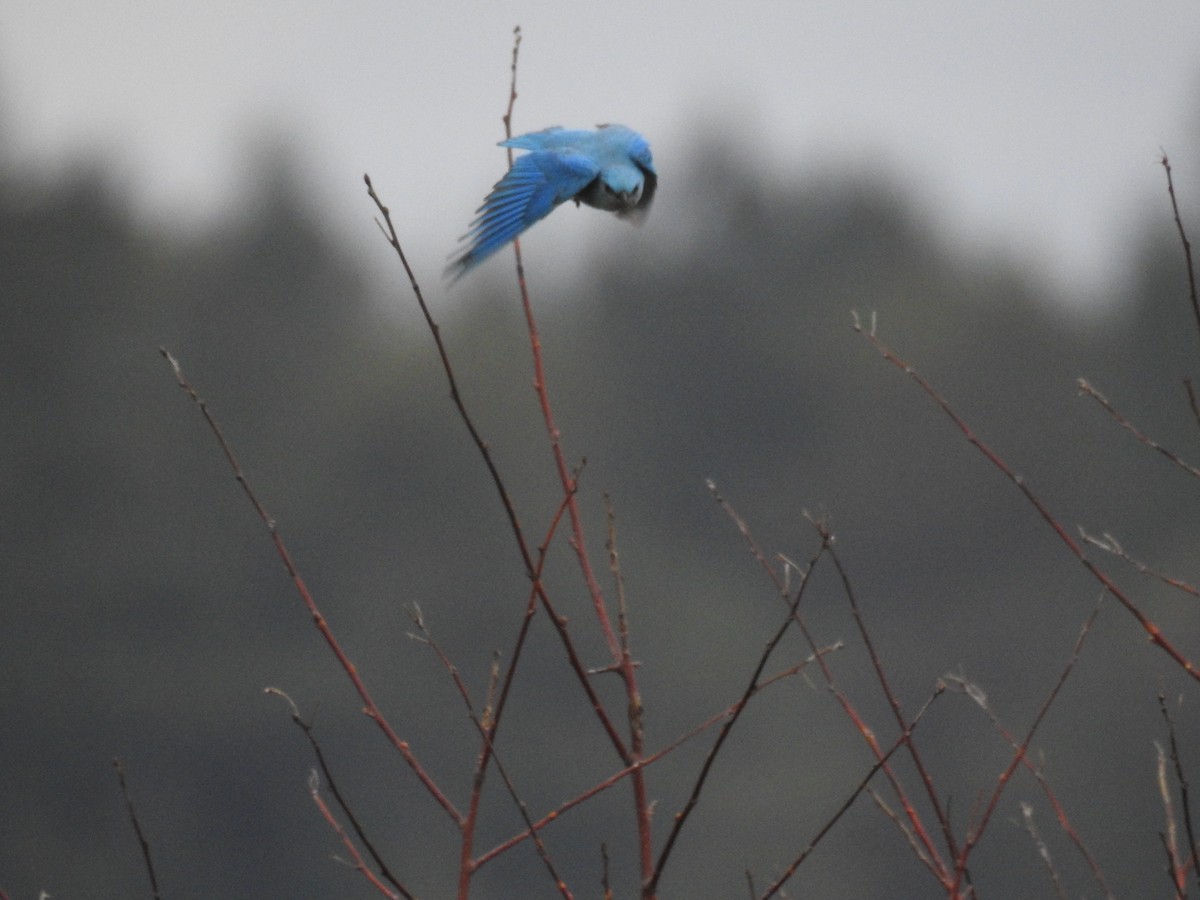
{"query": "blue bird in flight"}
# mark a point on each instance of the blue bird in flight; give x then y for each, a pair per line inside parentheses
(609, 168)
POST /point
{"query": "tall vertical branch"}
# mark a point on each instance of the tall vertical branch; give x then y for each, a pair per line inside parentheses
(630, 754)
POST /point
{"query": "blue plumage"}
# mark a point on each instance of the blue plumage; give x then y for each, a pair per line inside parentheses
(609, 168)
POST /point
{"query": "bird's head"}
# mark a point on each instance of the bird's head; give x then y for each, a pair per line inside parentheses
(618, 190)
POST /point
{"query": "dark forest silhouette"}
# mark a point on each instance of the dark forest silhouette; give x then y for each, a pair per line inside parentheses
(143, 611)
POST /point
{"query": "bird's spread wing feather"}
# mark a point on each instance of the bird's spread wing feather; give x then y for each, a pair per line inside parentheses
(536, 183)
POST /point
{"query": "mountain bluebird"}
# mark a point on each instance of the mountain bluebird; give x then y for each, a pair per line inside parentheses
(609, 168)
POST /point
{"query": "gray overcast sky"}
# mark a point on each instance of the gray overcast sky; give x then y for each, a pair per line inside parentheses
(1032, 123)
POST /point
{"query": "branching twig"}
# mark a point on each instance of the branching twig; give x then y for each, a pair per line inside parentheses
(1176, 868)
(931, 856)
(1189, 862)
(881, 675)
(360, 864)
(137, 828)
(496, 706)
(486, 734)
(653, 757)
(1153, 632)
(527, 555)
(1109, 544)
(307, 729)
(1086, 388)
(630, 754)
(1020, 749)
(880, 763)
(369, 708)
(681, 817)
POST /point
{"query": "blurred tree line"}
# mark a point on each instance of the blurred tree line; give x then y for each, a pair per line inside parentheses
(142, 609)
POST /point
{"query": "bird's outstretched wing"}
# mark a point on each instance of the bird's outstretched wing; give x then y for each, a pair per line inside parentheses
(536, 183)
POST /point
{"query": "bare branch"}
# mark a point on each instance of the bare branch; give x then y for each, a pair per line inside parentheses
(1086, 388)
(307, 729)
(137, 829)
(1183, 238)
(370, 708)
(1152, 630)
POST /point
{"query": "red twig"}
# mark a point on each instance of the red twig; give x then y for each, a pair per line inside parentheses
(369, 707)
(881, 675)
(1064, 822)
(681, 817)
(653, 757)
(880, 763)
(307, 729)
(1109, 544)
(359, 863)
(1176, 868)
(932, 858)
(485, 732)
(1142, 437)
(1020, 749)
(629, 754)
(1153, 632)
(1189, 861)
(492, 719)
(532, 568)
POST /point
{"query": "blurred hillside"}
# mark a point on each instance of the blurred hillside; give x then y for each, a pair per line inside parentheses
(142, 608)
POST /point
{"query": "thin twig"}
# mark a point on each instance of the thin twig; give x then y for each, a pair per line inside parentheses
(1187, 246)
(781, 585)
(681, 817)
(1086, 388)
(880, 763)
(532, 567)
(655, 757)
(369, 707)
(1153, 632)
(637, 732)
(1109, 544)
(937, 866)
(495, 712)
(1043, 851)
(427, 638)
(527, 556)
(894, 702)
(1184, 792)
(1176, 869)
(1072, 833)
(903, 826)
(1193, 402)
(1021, 749)
(137, 828)
(359, 864)
(307, 729)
